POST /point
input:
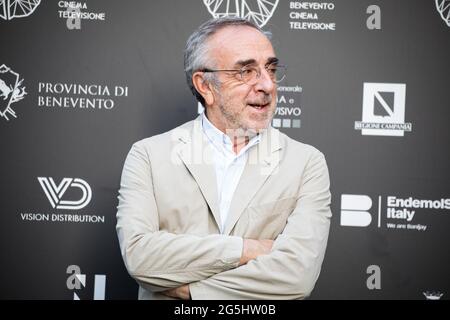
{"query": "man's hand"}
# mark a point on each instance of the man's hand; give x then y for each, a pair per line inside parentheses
(254, 248)
(182, 292)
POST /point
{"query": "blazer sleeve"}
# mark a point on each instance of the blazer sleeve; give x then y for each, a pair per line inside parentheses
(291, 269)
(156, 259)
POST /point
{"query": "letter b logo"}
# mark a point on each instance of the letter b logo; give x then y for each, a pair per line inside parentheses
(354, 210)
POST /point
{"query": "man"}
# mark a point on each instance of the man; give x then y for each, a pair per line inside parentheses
(224, 206)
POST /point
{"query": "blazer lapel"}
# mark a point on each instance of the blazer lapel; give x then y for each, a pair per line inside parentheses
(197, 156)
(262, 162)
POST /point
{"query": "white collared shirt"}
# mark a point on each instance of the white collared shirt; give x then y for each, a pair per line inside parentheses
(229, 166)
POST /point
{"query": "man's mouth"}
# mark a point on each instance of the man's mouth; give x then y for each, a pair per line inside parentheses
(259, 106)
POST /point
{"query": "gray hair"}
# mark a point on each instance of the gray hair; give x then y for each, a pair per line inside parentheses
(196, 51)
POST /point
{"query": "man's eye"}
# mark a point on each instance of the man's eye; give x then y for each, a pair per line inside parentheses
(272, 69)
(247, 71)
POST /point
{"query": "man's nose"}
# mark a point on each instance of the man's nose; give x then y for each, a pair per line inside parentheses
(265, 82)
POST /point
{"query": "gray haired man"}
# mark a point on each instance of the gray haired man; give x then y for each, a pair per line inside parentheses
(225, 206)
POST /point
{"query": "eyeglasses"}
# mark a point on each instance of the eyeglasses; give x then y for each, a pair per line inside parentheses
(251, 74)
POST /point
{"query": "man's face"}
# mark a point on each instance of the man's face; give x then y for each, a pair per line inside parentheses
(239, 105)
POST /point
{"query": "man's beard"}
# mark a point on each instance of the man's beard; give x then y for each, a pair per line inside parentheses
(235, 121)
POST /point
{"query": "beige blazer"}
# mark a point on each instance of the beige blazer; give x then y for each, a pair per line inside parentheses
(168, 217)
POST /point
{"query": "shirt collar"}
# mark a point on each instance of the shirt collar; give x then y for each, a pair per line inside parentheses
(221, 141)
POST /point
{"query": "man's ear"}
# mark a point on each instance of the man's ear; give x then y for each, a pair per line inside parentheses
(203, 87)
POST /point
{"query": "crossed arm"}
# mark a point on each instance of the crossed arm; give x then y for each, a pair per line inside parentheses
(220, 266)
(250, 251)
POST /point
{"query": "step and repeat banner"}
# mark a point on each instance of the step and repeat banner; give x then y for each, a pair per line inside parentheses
(367, 84)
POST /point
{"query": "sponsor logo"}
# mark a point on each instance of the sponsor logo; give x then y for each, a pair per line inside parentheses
(79, 96)
(76, 281)
(354, 210)
(288, 111)
(383, 110)
(257, 11)
(432, 295)
(75, 12)
(11, 91)
(59, 217)
(10, 9)
(69, 194)
(443, 7)
(305, 15)
(397, 213)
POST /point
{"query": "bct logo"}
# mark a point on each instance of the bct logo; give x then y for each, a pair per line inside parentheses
(383, 111)
(55, 193)
(443, 7)
(354, 210)
(10, 9)
(257, 11)
(77, 281)
(11, 91)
